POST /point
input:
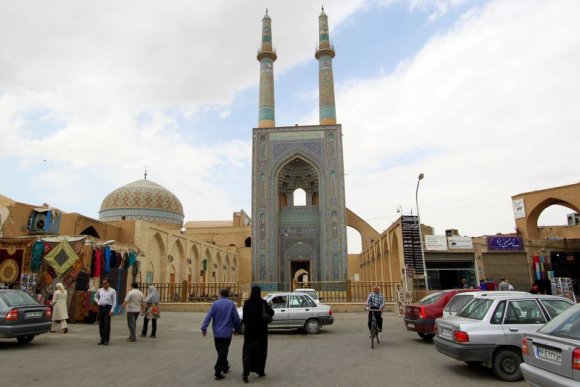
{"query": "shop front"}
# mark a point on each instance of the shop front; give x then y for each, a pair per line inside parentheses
(35, 265)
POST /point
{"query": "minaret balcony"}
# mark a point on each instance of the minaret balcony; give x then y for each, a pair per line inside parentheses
(266, 54)
(325, 49)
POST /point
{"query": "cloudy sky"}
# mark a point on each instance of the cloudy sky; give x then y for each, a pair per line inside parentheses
(480, 96)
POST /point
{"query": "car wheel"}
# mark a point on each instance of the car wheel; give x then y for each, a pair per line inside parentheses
(506, 365)
(24, 339)
(312, 326)
(426, 336)
(474, 363)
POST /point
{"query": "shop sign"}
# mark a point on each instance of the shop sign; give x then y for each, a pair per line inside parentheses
(411, 243)
(504, 243)
(436, 242)
(459, 243)
(519, 208)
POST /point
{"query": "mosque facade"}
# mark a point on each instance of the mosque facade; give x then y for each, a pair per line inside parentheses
(292, 240)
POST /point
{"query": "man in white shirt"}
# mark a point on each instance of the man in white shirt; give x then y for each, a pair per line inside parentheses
(106, 298)
(134, 302)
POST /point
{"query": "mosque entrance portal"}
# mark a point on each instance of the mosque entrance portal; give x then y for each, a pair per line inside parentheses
(300, 273)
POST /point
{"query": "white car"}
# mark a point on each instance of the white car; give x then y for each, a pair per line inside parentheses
(311, 292)
(293, 310)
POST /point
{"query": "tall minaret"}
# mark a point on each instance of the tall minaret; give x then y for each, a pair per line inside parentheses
(266, 57)
(324, 54)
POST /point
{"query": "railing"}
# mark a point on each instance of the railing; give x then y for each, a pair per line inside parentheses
(349, 291)
(329, 291)
(193, 292)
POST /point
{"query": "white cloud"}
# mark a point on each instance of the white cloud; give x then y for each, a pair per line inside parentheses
(95, 69)
(486, 110)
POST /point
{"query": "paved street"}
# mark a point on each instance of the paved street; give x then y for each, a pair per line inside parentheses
(339, 356)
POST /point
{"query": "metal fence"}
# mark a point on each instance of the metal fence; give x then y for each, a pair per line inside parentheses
(193, 292)
(349, 291)
(329, 291)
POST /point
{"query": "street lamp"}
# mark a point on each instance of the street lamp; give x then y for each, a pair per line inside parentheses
(420, 177)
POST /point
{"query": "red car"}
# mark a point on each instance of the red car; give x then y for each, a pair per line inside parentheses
(420, 317)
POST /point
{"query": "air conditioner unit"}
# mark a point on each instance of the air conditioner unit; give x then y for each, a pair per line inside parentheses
(573, 219)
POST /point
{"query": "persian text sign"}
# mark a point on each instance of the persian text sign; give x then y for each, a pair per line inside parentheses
(411, 243)
(459, 243)
(436, 242)
(504, 243)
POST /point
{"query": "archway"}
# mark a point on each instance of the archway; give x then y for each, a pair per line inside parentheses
(301, 277)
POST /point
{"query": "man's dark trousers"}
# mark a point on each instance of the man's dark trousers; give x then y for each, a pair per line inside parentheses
(222, 346)
(104, 323)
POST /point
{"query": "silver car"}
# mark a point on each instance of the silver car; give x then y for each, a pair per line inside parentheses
(293, 310)
(552, 355)
(489, 330)
(461, 299)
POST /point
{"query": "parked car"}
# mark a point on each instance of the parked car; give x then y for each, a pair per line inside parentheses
(294, 310)
(420, 317)
(552, 355)
(312, 293)
(22, 317)
(461, 299)
(489, 329)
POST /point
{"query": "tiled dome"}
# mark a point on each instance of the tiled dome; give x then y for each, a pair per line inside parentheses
(143, 200)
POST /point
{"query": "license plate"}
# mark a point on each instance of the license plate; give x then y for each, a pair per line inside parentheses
(32, 314)
(547, 354)
(411, 325)
(446, 333)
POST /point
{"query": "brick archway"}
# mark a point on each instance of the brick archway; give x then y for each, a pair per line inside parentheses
(535, 202)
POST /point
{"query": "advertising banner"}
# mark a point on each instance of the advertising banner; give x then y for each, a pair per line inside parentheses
(411, 243)
(459, 243)
(436, 242)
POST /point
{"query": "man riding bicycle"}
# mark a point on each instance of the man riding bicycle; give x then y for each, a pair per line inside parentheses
(375, 304)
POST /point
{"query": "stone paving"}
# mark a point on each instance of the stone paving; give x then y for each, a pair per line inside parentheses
(180, 356)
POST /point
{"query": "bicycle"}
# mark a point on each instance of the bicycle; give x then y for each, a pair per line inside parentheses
(375, 334)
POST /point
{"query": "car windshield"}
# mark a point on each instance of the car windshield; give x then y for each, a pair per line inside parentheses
(17, 298)
(431, 298)
(565, 325)
(476, 309)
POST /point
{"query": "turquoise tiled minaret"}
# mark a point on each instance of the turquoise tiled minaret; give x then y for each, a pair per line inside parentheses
(266, 57)
(324, 54)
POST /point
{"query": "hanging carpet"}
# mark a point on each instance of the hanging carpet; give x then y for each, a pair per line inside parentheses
(61, 258)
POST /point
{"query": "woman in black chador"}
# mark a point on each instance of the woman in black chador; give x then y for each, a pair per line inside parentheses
(255, 334)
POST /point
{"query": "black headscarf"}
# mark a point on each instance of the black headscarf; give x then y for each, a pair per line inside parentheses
(256, 294)
(253, 311)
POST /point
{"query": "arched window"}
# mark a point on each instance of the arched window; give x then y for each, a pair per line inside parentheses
(299, 197)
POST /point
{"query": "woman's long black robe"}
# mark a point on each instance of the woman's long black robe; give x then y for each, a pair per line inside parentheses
(255, 348)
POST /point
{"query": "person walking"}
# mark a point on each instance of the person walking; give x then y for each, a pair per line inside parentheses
(106, 299)
(225, 320)
(134, 302)
(376, 302)
(151, 312)
(59, 309)
(255, 348)
(505, 285)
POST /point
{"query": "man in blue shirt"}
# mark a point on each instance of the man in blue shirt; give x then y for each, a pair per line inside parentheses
(225, 321)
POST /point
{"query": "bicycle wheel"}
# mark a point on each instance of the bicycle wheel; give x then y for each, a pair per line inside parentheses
(377, 333)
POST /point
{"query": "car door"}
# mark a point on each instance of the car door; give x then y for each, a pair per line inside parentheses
(299, 311)
(280, 305)
(521, 316)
